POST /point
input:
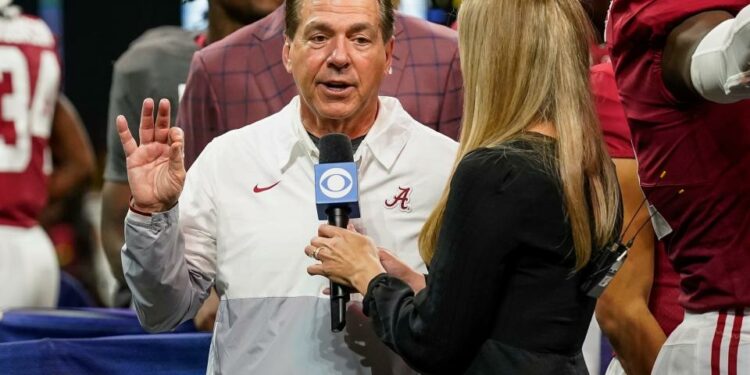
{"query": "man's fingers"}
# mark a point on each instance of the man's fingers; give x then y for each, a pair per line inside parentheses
(161, 132)
(176, 135)
(176, 154)
(146, 130)
(128, 143)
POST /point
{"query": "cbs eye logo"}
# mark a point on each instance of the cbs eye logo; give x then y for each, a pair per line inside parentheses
(336, 183)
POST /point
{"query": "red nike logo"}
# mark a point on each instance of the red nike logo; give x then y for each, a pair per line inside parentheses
(258, 189)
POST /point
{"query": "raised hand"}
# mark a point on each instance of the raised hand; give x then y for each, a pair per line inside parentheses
(156, 169)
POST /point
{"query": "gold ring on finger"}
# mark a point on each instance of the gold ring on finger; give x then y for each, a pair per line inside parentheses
(316, 251)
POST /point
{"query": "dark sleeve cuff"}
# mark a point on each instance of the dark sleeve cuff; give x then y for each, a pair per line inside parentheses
(382, 287)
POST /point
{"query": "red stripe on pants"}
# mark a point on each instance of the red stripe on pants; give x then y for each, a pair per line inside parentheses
(734, 343)
(716, 344)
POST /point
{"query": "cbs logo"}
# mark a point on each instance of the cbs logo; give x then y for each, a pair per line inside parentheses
(336, 183)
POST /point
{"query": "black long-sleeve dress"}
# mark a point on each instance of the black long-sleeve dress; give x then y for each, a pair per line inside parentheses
(501, 296)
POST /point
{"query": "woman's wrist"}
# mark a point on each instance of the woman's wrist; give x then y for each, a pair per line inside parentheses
(362, 281)
(416, 281)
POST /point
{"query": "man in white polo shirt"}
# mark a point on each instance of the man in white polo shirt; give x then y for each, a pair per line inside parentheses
(248, 203)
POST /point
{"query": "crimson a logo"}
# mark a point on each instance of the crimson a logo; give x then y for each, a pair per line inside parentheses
(400, 200)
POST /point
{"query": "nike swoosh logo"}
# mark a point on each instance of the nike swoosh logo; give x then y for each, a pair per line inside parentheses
(258, 189)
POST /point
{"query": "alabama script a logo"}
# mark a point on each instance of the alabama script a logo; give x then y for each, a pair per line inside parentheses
(400, 200)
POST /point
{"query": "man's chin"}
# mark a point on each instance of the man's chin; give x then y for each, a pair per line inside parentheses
(336, 115)
(336, 111)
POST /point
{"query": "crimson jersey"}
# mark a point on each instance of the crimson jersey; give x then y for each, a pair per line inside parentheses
(665, 288)
(665, 292)
(704, 196)
(29, 83)
(609, 110)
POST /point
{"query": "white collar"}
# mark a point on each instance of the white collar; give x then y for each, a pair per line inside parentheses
(385, 140)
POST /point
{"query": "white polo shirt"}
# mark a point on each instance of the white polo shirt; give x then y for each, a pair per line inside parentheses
(245, 216)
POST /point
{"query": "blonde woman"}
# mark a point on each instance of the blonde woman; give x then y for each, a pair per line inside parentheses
(533, 195)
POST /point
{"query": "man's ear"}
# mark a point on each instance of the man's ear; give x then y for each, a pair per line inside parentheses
(286, 54)
(389, 55)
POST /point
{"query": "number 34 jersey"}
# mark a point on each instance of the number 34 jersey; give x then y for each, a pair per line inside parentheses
(29, 84)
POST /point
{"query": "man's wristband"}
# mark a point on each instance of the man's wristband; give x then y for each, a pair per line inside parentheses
(139, 212)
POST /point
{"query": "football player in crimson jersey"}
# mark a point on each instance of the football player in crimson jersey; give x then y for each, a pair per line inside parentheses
(29, 101)
(639, 308)
(681, 69)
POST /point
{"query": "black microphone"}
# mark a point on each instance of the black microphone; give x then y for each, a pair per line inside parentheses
(336, 198)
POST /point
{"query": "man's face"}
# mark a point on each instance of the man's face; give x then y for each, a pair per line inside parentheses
(338, 57)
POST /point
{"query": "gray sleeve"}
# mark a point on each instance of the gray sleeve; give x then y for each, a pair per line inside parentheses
(167, 288)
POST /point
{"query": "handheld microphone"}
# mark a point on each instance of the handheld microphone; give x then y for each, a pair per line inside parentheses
(336, 198)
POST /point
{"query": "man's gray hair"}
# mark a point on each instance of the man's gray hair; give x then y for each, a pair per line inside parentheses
(386, 18)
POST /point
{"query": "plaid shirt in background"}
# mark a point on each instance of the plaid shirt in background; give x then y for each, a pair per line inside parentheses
(241, 79)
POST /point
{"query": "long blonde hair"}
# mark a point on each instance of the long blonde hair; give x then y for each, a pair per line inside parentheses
(526, 62)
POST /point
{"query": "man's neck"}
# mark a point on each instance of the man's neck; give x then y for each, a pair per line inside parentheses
(354, 127)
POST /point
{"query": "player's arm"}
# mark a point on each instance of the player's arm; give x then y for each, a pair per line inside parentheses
(708, 56)
(71, 150)
(622, 310)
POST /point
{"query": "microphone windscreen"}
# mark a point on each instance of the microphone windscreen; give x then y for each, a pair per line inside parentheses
(335, 148)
